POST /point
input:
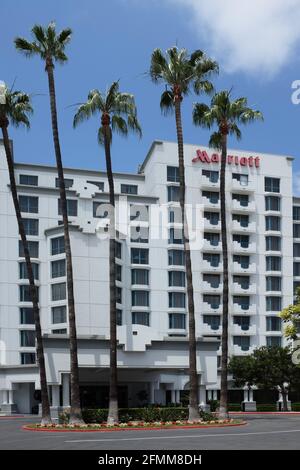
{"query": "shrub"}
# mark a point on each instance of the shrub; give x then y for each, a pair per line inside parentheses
(214, 405)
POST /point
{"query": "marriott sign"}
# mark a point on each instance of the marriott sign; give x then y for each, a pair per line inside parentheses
(202, 156)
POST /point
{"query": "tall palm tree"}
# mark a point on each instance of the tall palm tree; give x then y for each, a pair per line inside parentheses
(118, 114)
(226, 115)
(50, 47)
(16, 107)
(180, 72)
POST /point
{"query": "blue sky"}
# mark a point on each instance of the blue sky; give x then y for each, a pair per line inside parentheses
(113, 40)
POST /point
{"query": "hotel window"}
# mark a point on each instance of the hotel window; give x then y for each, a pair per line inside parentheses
(175, 236)
(24, 293)
(212, 259)
(31, 226)
(272, 185)
(118, 295)
(139, 234)
(296, 213)
(139, 256)
(59, 331)
(242, 219)
(23, 274)
(243, 179)
(59, 314)
(140, 318)
(119, 317)
(176, 300)
(71, 207)
(27, 338)
(176, 279)
(242, 301)
(58, 268)
(243, 240)
(273, 263)
(99, 184)
(214, 321)
(243, 281)
(243, 322)
(212, 196)
(296, 230)
(118, 250)
(272, 203)
(33, 248)
(129, 189)
(212, 238)
(243, 199)
(68, 182)
(296, 269)
(174, 215)
(274, 341)
(26, 316)
(213, 300)
(242, 341)
(212, 217)
(173, 193)
(57, 246)
(273, 243)
(273, 324)
(176, 258)
(173, 174)
(140, 298)
(98, 212)
(177, 321)
(296, 250)
(213, 176)
(118, 272)
(58, 292)
(273, 223)
(212, 279)
(140, 277)
(29, 180)
(296, 285)
(273, 283)
(29, 204)
(273, 304)
(27, 358)
(243, 261)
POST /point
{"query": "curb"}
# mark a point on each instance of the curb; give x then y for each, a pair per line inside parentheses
(276, 413)
(156, 428)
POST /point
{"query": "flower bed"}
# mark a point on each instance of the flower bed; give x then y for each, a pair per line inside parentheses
(133, 425)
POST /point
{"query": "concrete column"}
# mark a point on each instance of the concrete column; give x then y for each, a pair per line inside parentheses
(246, 394)
(4, 397)
(66, 390)
(251, 394)
(55, 395)
(177, 396)
(173, 397)
(151, 393)
(202, 398)
(10, 397)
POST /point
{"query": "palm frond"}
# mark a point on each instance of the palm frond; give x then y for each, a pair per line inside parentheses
(64, 36)
(158, 66)
(17, 108)
(87, 109)
(204, 86)
(167, 102)
(101, 136)
(27, 48)
(234, 130)
(215, 141)
(39, 34)
(134, 125)
(202, 115)
(119, 125)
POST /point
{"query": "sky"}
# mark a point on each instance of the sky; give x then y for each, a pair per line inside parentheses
(256, 42)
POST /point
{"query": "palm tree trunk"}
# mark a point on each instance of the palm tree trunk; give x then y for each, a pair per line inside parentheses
(193, 394)
(223, 410)
(46, 417)
(113, 412)
(75, 412)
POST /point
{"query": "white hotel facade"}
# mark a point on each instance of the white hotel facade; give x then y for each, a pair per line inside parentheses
(264, 261)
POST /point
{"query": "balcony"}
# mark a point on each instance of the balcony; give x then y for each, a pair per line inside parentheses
(206, 183)
(237, 289)
(210, 308)
(237, 268)
(237, 309)
(238, 248)
(206, 329)
(238, 187)
(236, 206)
(239, 331)
(238, 351)
(208, 225)
(207, 267)
(210, 205)
(207, 246)
(238, 228)
(211, 289)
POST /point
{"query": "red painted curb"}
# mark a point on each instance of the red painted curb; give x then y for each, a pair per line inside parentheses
(279, 413)
(26, 428)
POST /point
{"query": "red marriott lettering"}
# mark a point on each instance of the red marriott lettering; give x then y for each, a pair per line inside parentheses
(202, 156)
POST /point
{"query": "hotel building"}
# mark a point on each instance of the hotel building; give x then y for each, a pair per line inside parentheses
(264, 264)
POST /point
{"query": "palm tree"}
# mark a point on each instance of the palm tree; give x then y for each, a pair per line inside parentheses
(16, 107)
(50, 47)
(118, 114)
(226, 115)
(180, 72)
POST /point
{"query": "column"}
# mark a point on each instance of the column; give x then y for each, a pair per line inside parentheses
(202, 398)
(173, 397)
(4, 397)
(246, 394)
(10, 397)
(55, 395)
(177, 396)
(251, 394)
(151, 393)
(66, 390)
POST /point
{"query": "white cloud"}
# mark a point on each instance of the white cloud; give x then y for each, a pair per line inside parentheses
(256, 36)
